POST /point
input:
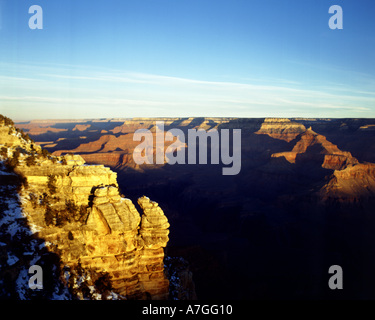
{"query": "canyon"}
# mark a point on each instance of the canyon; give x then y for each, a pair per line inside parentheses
(70, 218)
(302, 202)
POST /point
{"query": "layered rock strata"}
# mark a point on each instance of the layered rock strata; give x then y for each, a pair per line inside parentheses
(333, 158)
(351, 184)
(113, 239)
(350, 180)
(282, 129)
(102, 242)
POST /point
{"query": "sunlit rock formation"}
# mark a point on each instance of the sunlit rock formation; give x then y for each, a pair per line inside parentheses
(312, 145)
(105, 248)
(282, 129)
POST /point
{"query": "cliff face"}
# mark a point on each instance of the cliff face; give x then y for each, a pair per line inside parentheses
(109, 142)
(350, 181)
(312, 146)
(271, 210)
(352, 184)
(282, 129)
(113, 239)
(111, 150)
(102, 242)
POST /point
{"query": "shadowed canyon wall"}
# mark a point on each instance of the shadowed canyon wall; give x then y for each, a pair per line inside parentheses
(302, 202)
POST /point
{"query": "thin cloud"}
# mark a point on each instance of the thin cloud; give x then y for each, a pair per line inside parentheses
(141, 94)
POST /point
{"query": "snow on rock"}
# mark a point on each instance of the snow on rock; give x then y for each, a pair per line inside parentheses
(12, 259)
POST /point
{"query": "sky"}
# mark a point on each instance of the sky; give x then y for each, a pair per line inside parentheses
(187, 58)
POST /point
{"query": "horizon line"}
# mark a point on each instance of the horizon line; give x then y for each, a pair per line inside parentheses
(19, 121)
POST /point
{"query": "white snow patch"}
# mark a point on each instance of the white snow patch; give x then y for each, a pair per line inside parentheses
(94, 294)
(13, 228)
(114, 296)
(65, 295)
(34, 260)
(34, 228)
(3, 173)
(22, 283)
(12, 259)
(42, 245)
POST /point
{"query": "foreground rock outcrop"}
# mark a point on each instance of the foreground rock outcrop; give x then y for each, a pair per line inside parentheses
(104, 248)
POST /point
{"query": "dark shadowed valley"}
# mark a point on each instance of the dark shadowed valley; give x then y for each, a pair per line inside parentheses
(303, 201)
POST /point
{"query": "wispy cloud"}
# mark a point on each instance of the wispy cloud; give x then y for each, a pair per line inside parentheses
(75, 91)
(104, 102)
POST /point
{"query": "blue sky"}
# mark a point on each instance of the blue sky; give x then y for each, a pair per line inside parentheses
(150, 58)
